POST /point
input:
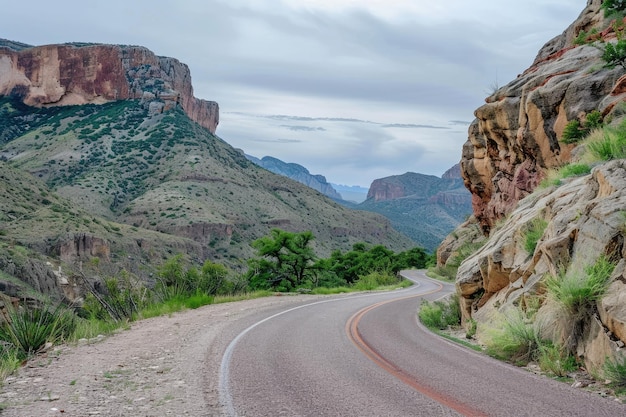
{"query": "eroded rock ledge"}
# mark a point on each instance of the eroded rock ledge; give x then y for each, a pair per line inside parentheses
(69, 74)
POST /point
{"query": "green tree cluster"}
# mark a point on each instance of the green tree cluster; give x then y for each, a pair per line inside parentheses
(286, 262)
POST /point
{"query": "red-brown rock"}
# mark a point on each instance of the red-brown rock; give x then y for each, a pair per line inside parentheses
(56, 75)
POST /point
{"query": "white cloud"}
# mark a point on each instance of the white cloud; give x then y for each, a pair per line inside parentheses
(402, 62)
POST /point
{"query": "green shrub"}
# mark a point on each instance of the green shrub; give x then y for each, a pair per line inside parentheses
(441, 314)
(615, 371)
(555, 360)
(517, 339)
(615, 54)
(30, 329)
(573, 132)
(534, 231)
(576, 292)
(613, 6)
(472, 326)
(594, 120)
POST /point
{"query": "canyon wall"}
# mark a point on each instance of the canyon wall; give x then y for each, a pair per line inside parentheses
(515, 140)
(70, 74)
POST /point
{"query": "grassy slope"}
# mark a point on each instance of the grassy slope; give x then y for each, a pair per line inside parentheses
(116, 164)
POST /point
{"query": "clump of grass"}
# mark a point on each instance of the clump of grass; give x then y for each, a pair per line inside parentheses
(534, 231)
(554, 176)
(10, 359)
(615, 371)
(516, 339)
(555, 360)
(573, 170)
(440, 315)
(608, 143)
(576, 292)
(92, 327)
(375, 280)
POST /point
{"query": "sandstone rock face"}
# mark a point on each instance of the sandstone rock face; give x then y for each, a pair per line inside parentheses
(515, 135)
(513, 141)
(85, 246)
(56, 75)
(585, 220)
(382, 190)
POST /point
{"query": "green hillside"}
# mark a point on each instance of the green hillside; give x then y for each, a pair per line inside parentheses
(119, 173)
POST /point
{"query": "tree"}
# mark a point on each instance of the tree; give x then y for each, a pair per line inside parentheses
(615, 54)
(286, 260)
(613, 6)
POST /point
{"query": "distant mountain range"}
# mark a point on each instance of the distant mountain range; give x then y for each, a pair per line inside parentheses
(352, 193)
(426, 208)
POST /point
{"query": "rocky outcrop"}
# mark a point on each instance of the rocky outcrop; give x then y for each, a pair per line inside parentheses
(78, 246)
(514, 141)
(383, 189)
(515, 136)
(68, 74)
(453, 173)
(585, 221)
(424, 207)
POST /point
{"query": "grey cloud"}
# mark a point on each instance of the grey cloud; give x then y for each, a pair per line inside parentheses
(304, 128)
(412, 126)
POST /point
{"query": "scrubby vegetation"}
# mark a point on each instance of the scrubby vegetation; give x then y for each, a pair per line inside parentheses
(575, 130)
(534, 231)
(286, 262)
(576, 291)
(440, 315)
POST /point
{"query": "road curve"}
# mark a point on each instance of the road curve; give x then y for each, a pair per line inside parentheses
(367, 355)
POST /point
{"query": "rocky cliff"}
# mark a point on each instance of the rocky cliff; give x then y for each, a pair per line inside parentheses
(69, 74)
(515, 135)
(515, 141)
(424, 207)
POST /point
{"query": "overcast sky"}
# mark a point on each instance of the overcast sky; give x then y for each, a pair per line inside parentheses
(352, 89)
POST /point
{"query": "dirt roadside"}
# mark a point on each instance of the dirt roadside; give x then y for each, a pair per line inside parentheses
(164, 366)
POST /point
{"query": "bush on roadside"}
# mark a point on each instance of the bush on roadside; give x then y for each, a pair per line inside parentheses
(615, 371)
(28, 330)
(440, 315)
(516, 339)
(555, 360)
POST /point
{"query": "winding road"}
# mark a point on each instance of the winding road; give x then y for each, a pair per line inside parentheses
(367, 355)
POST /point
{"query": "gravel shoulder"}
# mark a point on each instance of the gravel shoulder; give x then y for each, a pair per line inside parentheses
(161, 366)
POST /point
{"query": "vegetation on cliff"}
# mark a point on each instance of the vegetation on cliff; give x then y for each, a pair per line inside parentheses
(545, 163)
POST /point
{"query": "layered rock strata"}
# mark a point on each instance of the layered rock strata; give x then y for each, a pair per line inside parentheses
(69, 74)
(515, 136)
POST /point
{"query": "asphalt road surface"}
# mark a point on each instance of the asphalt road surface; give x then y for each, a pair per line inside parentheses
(367, 355)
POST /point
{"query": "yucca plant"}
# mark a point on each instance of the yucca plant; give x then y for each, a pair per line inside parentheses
(28, 330)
